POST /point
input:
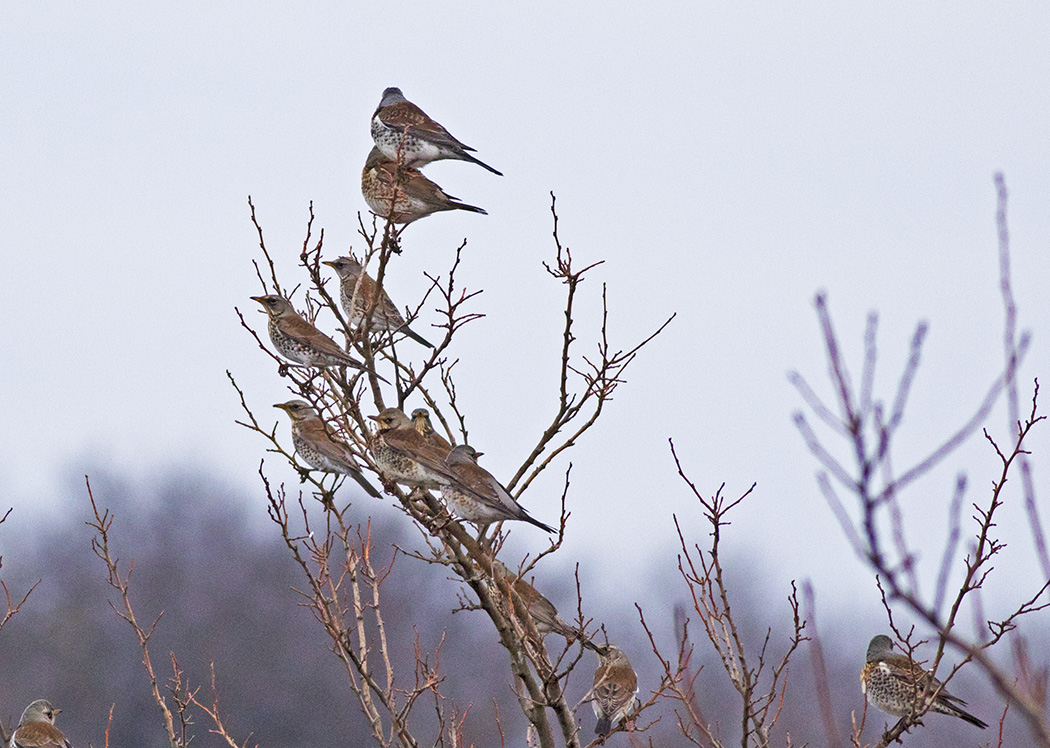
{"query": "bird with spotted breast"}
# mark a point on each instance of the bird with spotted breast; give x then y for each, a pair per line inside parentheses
(421, 420)
(615, 685)
(403, 455)
(317, 448)
(402, 194)
(544, 615)
(299, 341)
(894, 683)
(474, 494)
(399, 127)
(357, 293)
(37, 728)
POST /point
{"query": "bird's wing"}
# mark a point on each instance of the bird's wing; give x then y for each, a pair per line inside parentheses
(405, 114)
(319, 439)
(911, 674)
(420, 188)
(612, 697)
(39, 735)
(410, 443)
(485, 488)
(300, 329)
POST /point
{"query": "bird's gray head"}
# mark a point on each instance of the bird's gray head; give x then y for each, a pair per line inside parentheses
(879, 648)
(275, 306)
(39, 711)
(392, 418)
(297, 410)
(346, 267)
(613, 655)
(392, 96)
(463, 454)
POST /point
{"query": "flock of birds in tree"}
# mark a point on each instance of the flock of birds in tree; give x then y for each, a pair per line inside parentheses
(409, 451)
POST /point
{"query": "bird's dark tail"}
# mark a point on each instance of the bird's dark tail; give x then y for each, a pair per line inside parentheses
(363, 482)
(948, 704)
(471, 208)
(531, 520)
(468, 157)
(415, 337)
(603, 728)
(969, 718)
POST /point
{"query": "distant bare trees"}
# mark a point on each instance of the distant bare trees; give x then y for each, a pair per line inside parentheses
(361, 585)
(877, 529)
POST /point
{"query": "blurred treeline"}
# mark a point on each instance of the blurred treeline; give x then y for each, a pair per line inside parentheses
(205, 556)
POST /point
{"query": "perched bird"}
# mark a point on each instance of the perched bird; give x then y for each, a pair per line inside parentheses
(402, 194)
(421, 420)
(37, 728)
(317, 448)
(357, 293)
(893, 683)
(475, 495)
(544, 615)
(398, 125)
(403, 454)
(615, 686)
(298, 340)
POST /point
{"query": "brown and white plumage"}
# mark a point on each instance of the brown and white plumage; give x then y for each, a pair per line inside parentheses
(37, 728)
(299, 341)
(894, 683)
(615, 686)
(421, 420)
(357, 294)
(402, 194)
(474, 494)
(544, 615)
(316, 446)
(399, 126)
(403, 455)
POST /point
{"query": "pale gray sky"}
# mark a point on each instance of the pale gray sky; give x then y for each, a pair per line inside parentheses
(726, 160)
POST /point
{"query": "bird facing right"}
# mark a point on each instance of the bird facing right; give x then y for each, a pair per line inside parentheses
(544, 615)
(893, 683)
(299, 341)
(474, 494)
(615, 686)
(402, 194)
(37, 728)
(317, 448)
(357, 294)
(402, 129)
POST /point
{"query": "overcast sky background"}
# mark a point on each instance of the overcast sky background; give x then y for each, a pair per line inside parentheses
(727, 161)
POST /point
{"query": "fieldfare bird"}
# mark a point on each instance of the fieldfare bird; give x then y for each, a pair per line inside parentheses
(402, 194)
(473, 494)
(357, 293)
(421, 420)
(317, 448)
(299, 341)
(403, 454)
(37, 728)
(544, 615)
(400, 127)
(615, 686)
(894, 683)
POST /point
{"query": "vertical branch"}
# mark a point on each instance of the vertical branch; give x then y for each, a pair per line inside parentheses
(122, 584)
(1010, 346)
(11, 607)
